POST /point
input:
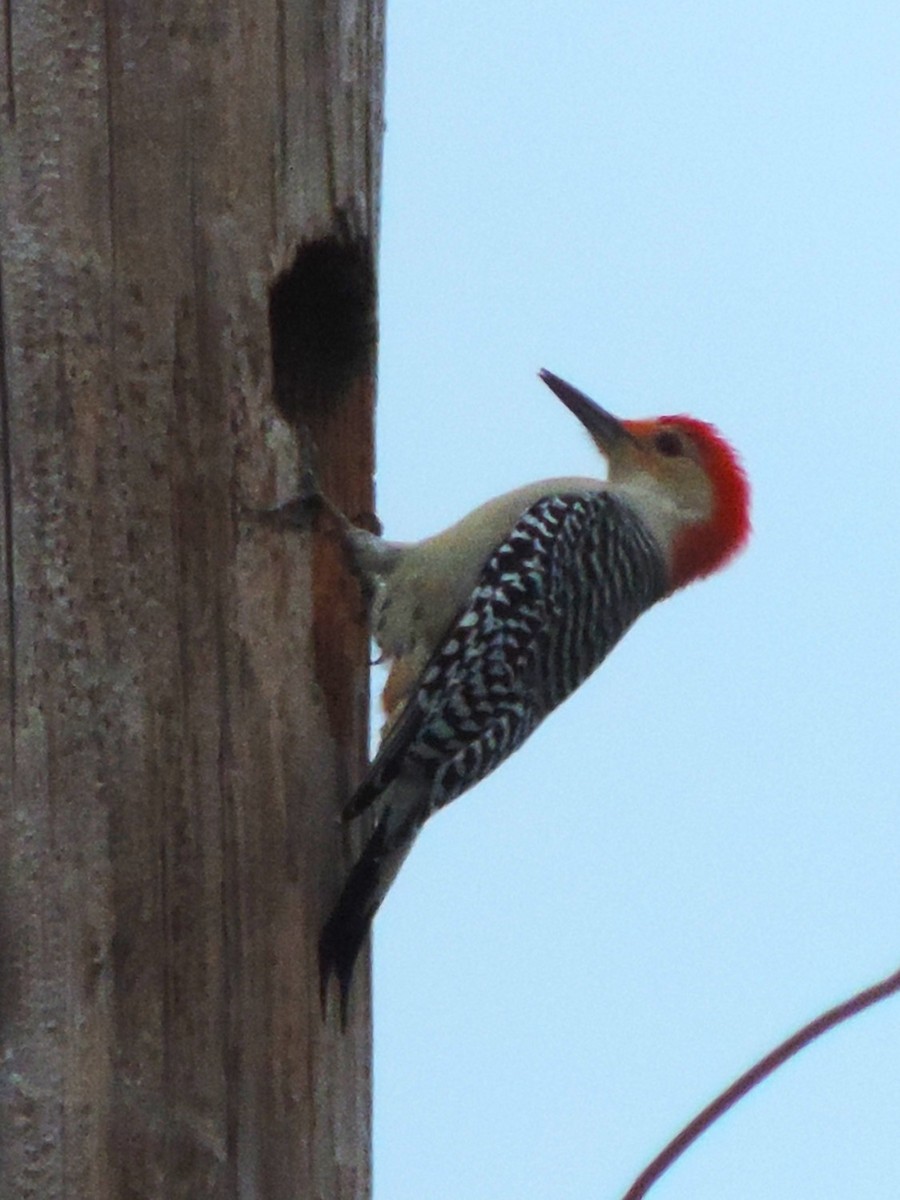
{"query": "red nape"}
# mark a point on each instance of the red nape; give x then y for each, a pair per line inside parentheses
(701, 549)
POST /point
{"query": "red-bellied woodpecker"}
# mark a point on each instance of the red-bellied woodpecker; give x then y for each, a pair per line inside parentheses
(492, 623)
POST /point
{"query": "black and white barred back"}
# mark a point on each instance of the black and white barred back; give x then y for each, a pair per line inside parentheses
(551, 602)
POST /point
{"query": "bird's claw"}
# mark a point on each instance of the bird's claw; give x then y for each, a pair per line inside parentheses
(303, 510)
(300, 512)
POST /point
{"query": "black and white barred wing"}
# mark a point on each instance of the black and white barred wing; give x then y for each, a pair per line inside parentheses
(551, 601)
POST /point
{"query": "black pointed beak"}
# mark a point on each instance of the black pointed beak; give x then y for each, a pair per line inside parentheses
(607, 430)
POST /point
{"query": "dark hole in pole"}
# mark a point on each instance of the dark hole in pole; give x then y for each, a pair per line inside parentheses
(322, 324)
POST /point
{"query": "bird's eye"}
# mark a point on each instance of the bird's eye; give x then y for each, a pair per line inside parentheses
(669, 444)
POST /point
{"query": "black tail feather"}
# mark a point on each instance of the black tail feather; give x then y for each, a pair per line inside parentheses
(345, 930)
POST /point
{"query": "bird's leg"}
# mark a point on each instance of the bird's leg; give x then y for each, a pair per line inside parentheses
(303, 510)
(369, 554)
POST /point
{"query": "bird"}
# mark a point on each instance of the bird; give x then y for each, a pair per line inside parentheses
(492, 623)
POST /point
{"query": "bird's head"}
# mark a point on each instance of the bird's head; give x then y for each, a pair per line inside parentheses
(679, 474)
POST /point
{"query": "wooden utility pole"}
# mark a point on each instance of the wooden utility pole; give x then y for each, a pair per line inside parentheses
(189, 193)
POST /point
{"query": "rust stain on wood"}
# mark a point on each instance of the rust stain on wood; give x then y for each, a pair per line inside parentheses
(323, 329)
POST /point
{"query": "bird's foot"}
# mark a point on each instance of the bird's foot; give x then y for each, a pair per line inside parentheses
(303, 511)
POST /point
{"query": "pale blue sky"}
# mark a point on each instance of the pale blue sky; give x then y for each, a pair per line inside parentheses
(679, 207)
